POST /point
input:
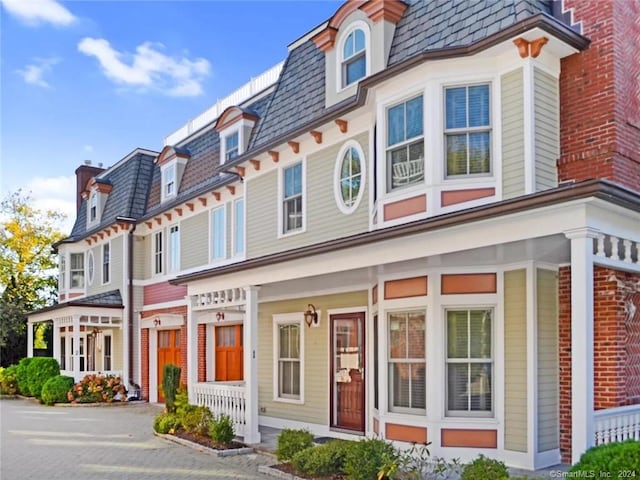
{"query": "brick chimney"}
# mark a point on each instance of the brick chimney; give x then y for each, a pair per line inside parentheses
(600, 95)
(83, 174)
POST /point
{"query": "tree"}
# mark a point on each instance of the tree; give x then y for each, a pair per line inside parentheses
(27, 269)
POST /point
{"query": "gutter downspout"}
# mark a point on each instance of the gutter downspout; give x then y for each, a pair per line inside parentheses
(132, 222)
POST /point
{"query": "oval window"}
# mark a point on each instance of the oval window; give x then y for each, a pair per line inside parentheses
(90, 267)
(349, 177)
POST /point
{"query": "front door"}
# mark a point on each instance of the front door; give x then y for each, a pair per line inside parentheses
(229, 356)
(347, 371)
(168, 352)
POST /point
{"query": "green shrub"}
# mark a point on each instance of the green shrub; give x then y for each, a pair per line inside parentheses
(22, 377)
(55, 390)
(9, 380)
(483, 468)
(221, 430)
(292, 441)
(166, 422)
(322, 461)
(40, 370)
(611, 460)
(182, 400)
(196, 420)
(97, 388)
(170, 384)
(365, 459)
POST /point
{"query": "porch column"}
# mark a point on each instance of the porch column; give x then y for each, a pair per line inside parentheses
(30, 339)
(250, 329)
(582, 428)
(76, 347)
(56, 341)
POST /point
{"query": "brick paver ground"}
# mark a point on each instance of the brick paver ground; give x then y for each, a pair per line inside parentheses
(77, 443)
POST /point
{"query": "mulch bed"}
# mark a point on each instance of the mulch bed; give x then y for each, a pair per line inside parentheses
(206, 441)
(288, 468)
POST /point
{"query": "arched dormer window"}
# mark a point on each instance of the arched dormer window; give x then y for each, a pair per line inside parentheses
(93, 206)
(354, 57)
(95, 194)
(172, 162)
(234, 127)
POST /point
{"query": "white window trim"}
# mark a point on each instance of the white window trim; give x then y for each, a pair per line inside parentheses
(63, 265)
(214, 259)
(102, 270)
(93, 197)
(84, 282)
(356, 25)
(237, 128)
(337, 191)
(172, 166)
(154, 273)
(285, 319)
(170, 247)
(235, 252)
(303, 229)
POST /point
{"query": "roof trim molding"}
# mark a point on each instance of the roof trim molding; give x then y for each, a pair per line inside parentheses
(233, 115)
(170, 152)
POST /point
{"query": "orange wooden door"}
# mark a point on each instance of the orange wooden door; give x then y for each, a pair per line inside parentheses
(168, 353)
(229, 355)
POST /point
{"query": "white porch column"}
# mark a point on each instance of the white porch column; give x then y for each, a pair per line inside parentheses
(192, 348)
(250, 329)
(582, 428)
(29, 339)
(56, 341)
(76, 348)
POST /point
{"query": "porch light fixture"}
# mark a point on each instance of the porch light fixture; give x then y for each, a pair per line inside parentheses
(311, 316)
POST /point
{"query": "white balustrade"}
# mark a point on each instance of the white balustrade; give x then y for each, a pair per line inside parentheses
(617, 249)
(222, 399)
(219, 298)
(617, 424)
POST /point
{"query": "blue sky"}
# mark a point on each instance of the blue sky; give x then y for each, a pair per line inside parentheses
(96, 79)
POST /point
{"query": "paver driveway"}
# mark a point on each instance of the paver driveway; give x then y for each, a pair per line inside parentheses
(76, 443)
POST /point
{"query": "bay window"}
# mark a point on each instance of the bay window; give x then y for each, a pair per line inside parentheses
(405, 144)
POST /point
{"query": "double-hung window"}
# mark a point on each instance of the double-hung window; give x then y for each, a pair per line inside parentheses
(158, 252)
(238, 241)
(174, 248)
(218, 234)
(231, 147)
(169, 181)
(76, 270)
(407, 363)
(292, 198)
(106, 263)
(288, 358)
(469, 363)
(405, 144)
(62, 279)
(467, 130)
(354, 58)
(93, 207)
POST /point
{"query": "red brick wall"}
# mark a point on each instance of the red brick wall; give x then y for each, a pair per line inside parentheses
(144, 358)
(600, 96)
(564, 344)
(202, 353)
(163, 292)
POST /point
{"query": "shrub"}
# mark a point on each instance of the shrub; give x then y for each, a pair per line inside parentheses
(170, 383)
(321, 461)
(9, 380)
(182, 400)
(23, 379)
(97, 388)
(166, 422)
(40, 370)
(483, 468)
(55, 390)
(292, 441)
(610, 460)
(365, 459)
(196, 420)
(221, 430)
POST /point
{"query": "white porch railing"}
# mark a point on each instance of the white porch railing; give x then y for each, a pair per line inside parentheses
(617, 424)
(222, 398)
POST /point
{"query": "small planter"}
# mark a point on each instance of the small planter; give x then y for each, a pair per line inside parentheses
(228, 452)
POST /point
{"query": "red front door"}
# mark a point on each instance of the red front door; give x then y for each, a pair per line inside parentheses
(229, 355)
(168, 352)
(347, 371)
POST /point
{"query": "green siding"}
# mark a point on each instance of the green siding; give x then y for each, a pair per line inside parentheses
(515, 358)
(324, 220)
(116, 259)
(547, 135)
(316, 357)
(194, 241)
(512, 134)
(547, 303)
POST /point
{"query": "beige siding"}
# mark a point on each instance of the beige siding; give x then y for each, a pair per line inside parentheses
(117, 265)
(547, 288)
(512, 134)
(117, 360)
(194, 241)
(547, 135)
(142, 258)
(324, 220)
(316, 357)
(515, 359)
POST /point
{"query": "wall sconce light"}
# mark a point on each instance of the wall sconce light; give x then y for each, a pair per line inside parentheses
(311, 316)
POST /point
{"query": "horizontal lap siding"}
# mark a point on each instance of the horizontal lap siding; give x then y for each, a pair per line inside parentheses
(316, 357)
(515, 359)
(512, 134)
(194, 241)
(547, 141)
(142, 258)
(116, 259)
(324, 220)
(547, 360)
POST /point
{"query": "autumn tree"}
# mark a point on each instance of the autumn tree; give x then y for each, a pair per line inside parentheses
(27, 269)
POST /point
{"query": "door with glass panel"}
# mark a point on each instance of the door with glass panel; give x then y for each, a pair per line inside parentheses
(168, 353)
(347, 371)
(229, 356)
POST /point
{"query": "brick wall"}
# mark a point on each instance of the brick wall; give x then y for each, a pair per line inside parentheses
(564, 357)
(600, 96)
(202, 353)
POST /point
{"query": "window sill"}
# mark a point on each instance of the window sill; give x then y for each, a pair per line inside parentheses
(292, 233)
(292, 401)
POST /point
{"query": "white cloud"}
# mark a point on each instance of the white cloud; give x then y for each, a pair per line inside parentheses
(148, 68)
(55, 193)
(88, 148)
(34, 73)
(36, 12)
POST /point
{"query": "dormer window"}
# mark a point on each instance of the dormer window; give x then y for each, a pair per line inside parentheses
(169, 181)
(231, 147)
(93, 207)
(354, 58)
(172, 162)
(234, 126)
(96, 192)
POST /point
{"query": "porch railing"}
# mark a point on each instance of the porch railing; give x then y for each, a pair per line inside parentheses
(617, 424)
(221, 399)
